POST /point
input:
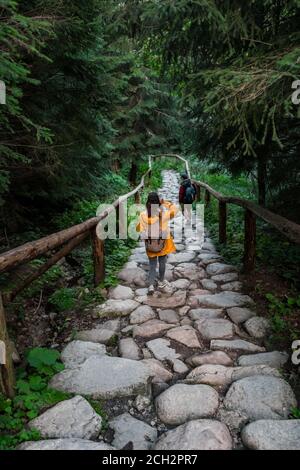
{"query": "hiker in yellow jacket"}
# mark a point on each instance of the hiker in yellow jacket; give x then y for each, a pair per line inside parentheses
(154, 228)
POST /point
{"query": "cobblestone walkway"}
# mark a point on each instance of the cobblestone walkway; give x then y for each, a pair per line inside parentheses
(187, 371)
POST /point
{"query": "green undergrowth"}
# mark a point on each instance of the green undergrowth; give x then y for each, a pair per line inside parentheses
(275, 254)
(284, 316)
(59, 295)
(33, 396)
(273, 250)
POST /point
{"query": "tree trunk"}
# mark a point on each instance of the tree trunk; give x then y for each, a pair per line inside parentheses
(116, 166)
(133, 174)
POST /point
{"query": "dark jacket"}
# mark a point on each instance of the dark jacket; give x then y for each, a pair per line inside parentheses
(185, 184)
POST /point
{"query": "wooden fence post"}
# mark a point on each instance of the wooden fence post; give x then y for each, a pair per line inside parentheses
(222, 222)
(118, 220)
(98, 257)
(250, 241)
(137, 197)
(198, 195)
(123, 220)
(7, 376)
(207, 198)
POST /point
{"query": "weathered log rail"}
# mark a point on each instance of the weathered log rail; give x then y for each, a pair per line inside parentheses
(66, 240)
(289, 229)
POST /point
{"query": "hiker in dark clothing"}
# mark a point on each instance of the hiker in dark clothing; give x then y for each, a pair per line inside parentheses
(187, 195)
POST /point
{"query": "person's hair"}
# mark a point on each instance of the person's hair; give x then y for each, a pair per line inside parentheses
(184, 176)
(153, 200)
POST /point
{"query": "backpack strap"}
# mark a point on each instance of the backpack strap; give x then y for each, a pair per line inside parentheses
(160, 226)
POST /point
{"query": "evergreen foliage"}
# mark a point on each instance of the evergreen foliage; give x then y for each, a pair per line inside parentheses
(79, 99)
(234, 63)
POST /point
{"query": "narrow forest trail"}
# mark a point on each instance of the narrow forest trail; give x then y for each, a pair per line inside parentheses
(193, 363)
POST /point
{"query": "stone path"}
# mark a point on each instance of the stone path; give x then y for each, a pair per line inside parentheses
(187, 371)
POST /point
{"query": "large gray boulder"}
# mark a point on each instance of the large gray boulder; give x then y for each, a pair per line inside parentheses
(257, 327)
(275, 359)
(161, 350)
(181, 284)
(261, 397)
(234, 286)
(185, 335)
(168, 316)
(181, 403)
(224, 300)
(105, 377)
(121, 293)
(219, 268)
(218, 375)
(211, 374)
(212, 357)
(228, 277)
(235, 345)
(272, 435)
(134, 276)
(77, 352)
(164, 302)
(205, 313)
(209, 284)
(128, 429)
(70, 418)
(181, 257)
(65, 444)
(189, 271)
(151, 329)
(202, 434)
(160, 373)
(117, 308)
(240, 315)
(97, 335)
(215, 328)
(129, 349)
(142, 314)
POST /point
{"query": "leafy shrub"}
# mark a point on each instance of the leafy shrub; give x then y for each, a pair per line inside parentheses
(63, 299)
(32, 397)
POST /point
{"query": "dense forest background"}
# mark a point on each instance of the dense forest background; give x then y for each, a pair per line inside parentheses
(95, 86)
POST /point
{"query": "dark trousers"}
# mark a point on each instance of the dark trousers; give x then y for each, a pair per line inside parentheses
(162, 261)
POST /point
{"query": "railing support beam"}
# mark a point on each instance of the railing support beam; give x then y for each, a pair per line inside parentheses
(137, 197)
(222, 222)
(7, 376)
(98, 257)
(207, 198)
(250, 241)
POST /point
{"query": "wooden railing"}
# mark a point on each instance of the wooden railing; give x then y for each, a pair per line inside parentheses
(286, 227)
(289, 229)
(66, 240)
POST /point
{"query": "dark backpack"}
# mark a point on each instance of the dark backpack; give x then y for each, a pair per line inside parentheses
(189, 195)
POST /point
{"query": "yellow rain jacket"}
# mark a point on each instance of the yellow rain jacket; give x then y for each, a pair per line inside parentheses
(169, 212)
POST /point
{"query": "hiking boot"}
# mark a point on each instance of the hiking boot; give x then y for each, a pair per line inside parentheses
(165, 287)
(151, 290)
